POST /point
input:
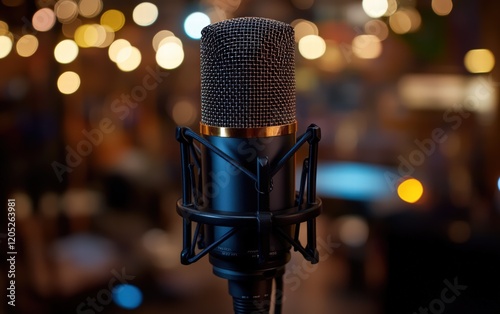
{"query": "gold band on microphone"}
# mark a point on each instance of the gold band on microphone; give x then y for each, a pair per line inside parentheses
(267, 131)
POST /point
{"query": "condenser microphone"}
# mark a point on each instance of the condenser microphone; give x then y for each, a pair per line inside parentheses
(244, 198)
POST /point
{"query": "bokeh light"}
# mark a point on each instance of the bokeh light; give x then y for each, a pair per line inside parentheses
(5, 46)
(410, 190)
(145, 14)
(194, 23)
(70, 28)
(66, 51)
(127, 296)
(377, 28)
(303, 4)
(184, 113)
(353, 230)
(27, 45)
(170, 55)
(400, 22)
(128, 58)
(158, 37)
(68, 82)
(90, 8)
(303, 28)
(115, 48)
(366, 46)
(392, 7)
(459, 231)
(332, 60)
(312, 46)
(66, 11)
(498, 184)
(479, 61)
(375, 8)
(114, 19)
(43, 20)
(442, 7)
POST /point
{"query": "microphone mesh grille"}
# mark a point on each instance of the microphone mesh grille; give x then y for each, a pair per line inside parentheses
(247, 73)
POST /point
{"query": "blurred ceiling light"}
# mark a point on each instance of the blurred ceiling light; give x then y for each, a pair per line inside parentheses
(27, 45)
(392, 7)
(184, 113)
(479, 61)
(312, 46)
(353, 230)
(442, 7)
(303, 4)
(410, 190)
(115, 48)
(303, 28)
(158, 37)
(459, 231)
(69, 29)
(366, 46)
(90, 8)
(400, 22)
(66, 51)
(170, 55)
(375, 8)
(114, 19)
(377, 28)
(194, 23)
(66, 11)
(68, 82)
(5, 46)
(128, 58)
(145, 14)
(43, 20)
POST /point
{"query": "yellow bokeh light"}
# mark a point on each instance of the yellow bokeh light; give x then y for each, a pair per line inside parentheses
(66, 11)
(415, 19)
(115, 48)
(128, 58)
(27, 45)
(366, 46)
(312, 46)
(170, 55)
(442, 7)
(410, 190)
(5, 46)
(43, 20)
(4, 27)
(114, 19)
(479, 61)
(400, 22)
(66, 51)
(392, 7)
(170, 39)
(303, 28)
(68, 82)
(90, 8)
(375, 8)
(158, 37)
(109, 36)
(145, 14)
(377, 28)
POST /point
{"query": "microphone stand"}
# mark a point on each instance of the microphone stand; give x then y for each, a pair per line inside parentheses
(307, 208)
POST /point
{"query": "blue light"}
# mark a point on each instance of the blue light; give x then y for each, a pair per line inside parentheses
(127, 296)
(498, 184)
(194, 23)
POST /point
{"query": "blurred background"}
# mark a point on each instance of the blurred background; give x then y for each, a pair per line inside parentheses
(406, 94)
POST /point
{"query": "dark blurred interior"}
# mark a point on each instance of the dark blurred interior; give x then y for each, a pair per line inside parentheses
(406, 94)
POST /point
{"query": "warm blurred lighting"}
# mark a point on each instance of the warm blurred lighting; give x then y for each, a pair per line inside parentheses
(80, 36)
(312, 46)
(410, 190)
(170, 39)
(415, 19)
(90, 8)
(303, 4)
(170, 55)
(66, 51)
(145, 14)
(114, 19)
(66, 11)
(12, 3)
(392, 7)
(115, 48)
(377, 28)
(43, 20)
(353, 230)
(70, 28)
(5, 46)
(109, 37)
(400, 22)
(158, 37)
(479, 61)
(184, 113)
(303, 28)
(194, 23)
(459, 231)
(442, 7)
(24, 205)
(375, 8)
(128, 58)
(94, 35)
(127, 296)
(332, 60)
(68, 82)
(4, 27)
(27, 45)
(366, 46)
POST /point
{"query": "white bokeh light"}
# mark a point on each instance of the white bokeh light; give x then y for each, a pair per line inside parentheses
(170, 55)
(194, 23)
